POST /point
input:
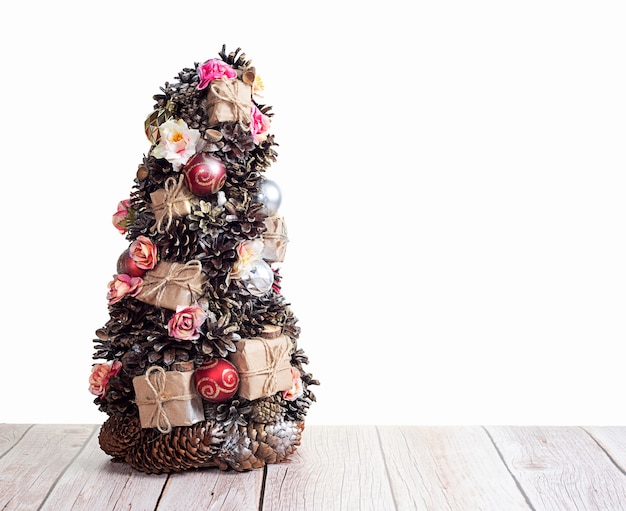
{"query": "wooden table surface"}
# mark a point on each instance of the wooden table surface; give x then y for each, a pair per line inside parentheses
(503, 468)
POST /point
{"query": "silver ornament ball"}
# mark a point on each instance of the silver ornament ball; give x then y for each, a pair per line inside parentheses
(270, 196)
(260, 278)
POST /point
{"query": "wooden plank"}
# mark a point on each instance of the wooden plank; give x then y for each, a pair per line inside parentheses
(32, 466)
(10, 434)
(447, 468)
(336, 467)
(93, 481)
(561, 468)
(613, 440)
(213, 489)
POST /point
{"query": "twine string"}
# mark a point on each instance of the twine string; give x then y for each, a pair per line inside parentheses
(175, 194)
(273, 357)
(157, 286)
(222, 90)
(158, 388)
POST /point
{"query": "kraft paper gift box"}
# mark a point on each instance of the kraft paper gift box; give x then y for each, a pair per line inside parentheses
(174, 200)
(168, 285)
(229, 100)
(264, 366)
(275, 239)
(167, 398)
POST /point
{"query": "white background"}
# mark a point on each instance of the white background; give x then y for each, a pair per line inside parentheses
(452, 176)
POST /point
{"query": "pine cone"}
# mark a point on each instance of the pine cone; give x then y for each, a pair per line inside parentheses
(181, 449)
(265, 411)
(230, 414)
(151, 175)
(207, 217)
(221, 335)
(217, 255)
(118, 435)
(236, 59)
(253, 446)
(185, 99)
(247, 219)
(296, 410)
(283, 437)
(143, 217)
(237, 142)
(178, 243)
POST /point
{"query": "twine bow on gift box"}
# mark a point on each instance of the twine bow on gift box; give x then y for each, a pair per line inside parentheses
(174, 200)
(227, 92)
(157, 385)
(156, 282)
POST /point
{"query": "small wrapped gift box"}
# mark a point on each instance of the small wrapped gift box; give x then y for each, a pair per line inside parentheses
(167, 398)
(229, 100)
(168, 285)
(263, 365)
(275, 239)
(172, 201)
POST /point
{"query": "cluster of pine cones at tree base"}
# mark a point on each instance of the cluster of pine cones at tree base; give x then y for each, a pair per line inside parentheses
(198, 290)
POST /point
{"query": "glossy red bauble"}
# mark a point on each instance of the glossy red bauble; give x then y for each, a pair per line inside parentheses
(217, 380)
(204, 174)
(126, 264)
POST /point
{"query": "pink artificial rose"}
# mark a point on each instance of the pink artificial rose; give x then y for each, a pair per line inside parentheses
(296, 390)
(100, 376)
(259, 124)
(177, 143)
(121, 218)
(185, 323)
(143, 252)
(123, 285)
(214, 69)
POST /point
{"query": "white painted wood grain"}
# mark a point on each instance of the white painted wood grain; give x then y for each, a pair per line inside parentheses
(613, 440)
(335, 468)
(447, 468)
(59, 467)
(561, 468)
(213, 489)
(93, 482)
(31, 468)
(10, 435)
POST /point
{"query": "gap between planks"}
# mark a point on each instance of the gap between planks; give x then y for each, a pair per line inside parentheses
(51, 467)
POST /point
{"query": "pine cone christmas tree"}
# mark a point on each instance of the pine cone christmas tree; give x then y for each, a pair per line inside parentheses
(199, 362)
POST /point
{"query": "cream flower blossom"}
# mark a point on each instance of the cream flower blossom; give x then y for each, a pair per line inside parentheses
(177, 143)
(248, 253)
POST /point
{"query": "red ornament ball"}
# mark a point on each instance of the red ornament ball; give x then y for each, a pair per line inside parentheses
(126, 264)
(204, 174)
(217, 380)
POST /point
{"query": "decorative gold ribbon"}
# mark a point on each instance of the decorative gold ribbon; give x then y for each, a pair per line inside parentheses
(226, 91)
(273, 357)
(158, 388)
(175, 193)
(155, 284)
